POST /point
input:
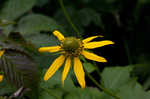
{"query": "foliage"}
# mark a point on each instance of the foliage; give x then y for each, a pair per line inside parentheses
(26, 25)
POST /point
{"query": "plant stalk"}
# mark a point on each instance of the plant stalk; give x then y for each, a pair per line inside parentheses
(68, 17)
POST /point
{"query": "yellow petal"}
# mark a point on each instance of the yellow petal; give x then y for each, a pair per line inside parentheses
(1, 78)
(1, 53)
(93, 45)
(66, 69)
(49, 49)
(79, 72)
(90, 38)
(58, 35)
(54, 67)
(93, 56)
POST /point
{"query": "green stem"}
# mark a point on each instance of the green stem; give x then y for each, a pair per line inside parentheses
(68, 17)
(101, 87)
(50, 93)
(128, 52)
(76, 30)
(97, 69)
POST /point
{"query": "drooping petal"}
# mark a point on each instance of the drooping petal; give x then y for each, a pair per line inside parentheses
(93, 56)
(90, 38)
(1, 78)
(79, 72)
(54, 67)
(1, 53)
(92, 45)
(66, 69)
(58, 35)
(50, 49)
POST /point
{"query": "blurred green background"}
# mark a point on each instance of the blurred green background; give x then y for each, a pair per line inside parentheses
(26, 25)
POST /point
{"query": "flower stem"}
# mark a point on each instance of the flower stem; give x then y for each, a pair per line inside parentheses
(50, 93)
(127, 52)
(101, 87)
(68, 17)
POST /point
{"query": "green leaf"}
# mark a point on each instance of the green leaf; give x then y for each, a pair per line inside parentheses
(114, 77)
(118, 80)
(13, 9)
(87, 93)
(6, 88)
(35, 23)
(146, 84)
(47, 95)
(89, 67)
(133, 90)
(7, 29)
(42, 40)
(53, 87)
(55, 81)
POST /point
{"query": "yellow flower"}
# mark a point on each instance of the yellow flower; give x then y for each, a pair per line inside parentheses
(1, 53)
(1, 78)
(71, 48)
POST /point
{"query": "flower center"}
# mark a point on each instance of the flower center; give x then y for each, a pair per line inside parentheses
(71, 44)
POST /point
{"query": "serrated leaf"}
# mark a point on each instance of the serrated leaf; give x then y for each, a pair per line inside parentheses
(133, 90)
(114, 77)
(35, 23)
(13, 9)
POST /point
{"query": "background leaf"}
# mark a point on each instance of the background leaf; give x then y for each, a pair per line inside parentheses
(114, 77)
(133, 90)
(89, 67)
(35, 23)
(41, 40)
(13, 9)
(20, 70)
(6, 88)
